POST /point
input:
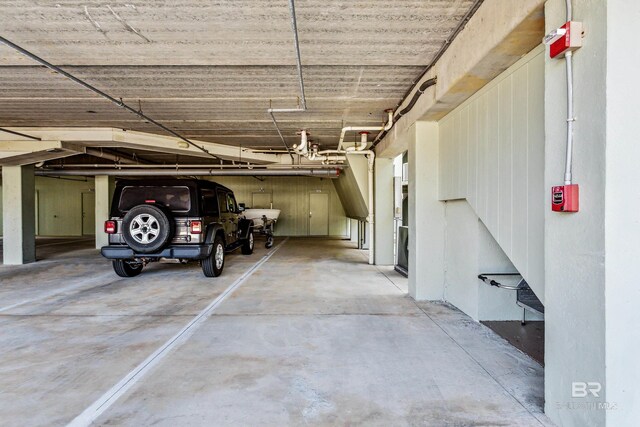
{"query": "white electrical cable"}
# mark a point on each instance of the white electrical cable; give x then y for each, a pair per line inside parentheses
(570, 119)
(568, 166)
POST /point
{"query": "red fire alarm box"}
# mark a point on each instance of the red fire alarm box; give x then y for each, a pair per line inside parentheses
(565, 198)
(566, 38)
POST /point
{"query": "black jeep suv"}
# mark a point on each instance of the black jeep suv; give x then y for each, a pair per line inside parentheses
(171, 218)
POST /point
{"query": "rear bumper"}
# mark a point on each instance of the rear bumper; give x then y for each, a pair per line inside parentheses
(176, 252)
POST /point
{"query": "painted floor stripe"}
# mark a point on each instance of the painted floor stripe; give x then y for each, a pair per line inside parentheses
(89, 415)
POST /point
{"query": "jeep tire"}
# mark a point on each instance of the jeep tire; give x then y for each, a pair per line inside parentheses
(147, 228)
(125, 268)
(247, 245)
(213, 264)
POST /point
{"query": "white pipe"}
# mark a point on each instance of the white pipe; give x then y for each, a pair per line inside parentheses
(355, 129)
(570, 118)
(303, 147)
(304, 142)
(389, 124)
(363, 143)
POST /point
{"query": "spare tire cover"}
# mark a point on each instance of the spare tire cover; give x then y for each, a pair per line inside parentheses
(147, 228)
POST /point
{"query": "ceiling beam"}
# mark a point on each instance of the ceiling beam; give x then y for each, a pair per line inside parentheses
(120, 138)
(18, 153)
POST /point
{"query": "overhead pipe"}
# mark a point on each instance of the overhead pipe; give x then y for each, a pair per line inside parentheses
(303, 147)
(109, 156)
(330, 173)
(389, 123)
(92, 88)
(363, 143)
(191, 166)
(346, 129)
(423, 87)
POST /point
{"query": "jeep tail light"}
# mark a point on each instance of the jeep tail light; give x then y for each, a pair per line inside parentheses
(196, 227)
(110, 227)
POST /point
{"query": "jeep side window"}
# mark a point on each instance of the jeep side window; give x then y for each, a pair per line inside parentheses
(231, 203)
(209, 202)
(222, 199)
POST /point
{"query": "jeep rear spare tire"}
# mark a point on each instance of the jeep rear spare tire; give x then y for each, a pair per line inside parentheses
(147, 228)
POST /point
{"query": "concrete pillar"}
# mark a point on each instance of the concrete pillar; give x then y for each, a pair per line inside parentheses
(426, 215)
(104, 186)
(622, 207)
(592, 344)
(353, 226)
(18, 204)
(384, 206)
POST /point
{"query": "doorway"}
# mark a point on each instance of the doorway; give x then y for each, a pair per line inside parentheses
(318, 214)
(88, 214)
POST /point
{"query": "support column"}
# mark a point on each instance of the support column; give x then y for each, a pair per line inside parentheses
(622, 224)
(353, 226)
(383, 202)
(426, 215)
(104, 186)
(18, 204)
(592, 344)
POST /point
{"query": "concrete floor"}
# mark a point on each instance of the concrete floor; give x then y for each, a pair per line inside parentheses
(313, 336)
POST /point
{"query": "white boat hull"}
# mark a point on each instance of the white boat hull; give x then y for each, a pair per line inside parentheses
(257, 214)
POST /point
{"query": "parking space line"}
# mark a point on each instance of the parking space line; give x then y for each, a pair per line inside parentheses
(91, 413)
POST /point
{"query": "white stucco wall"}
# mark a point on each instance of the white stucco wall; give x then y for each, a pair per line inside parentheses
(492, 155)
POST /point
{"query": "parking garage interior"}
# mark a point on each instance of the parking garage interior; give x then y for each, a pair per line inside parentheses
(455, 227)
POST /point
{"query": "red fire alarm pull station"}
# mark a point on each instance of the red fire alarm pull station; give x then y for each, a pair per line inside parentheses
(565, 198)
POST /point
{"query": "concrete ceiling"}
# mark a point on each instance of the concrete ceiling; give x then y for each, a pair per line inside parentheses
(211, 69)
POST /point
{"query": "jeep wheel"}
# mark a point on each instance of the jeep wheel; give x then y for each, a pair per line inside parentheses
(147, 228)
(247, 245)
(125, 268)
(213, 264)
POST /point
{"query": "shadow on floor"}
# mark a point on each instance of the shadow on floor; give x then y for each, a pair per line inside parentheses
(527, 338)
(52, 247)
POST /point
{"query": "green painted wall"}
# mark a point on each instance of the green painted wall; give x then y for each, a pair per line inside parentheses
(291, 196)
(59, 204)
